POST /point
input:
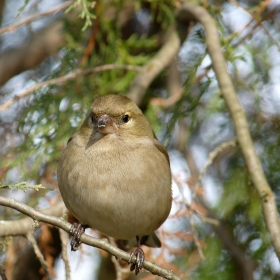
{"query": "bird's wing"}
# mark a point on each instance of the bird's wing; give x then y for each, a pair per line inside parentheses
(69, 140)
(160, 147)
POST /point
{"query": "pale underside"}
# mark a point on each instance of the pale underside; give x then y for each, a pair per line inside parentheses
(119, 196)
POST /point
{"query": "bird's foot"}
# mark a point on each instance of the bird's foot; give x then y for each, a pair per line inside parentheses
(140, 257)
(76, 232)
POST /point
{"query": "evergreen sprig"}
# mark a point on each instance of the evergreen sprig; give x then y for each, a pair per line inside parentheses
(85, 14)
(23, 186)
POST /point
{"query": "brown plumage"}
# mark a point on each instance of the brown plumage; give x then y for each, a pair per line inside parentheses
(114, 175)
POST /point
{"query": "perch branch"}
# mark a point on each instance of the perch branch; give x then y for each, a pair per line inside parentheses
(99, 243)
(23, 226)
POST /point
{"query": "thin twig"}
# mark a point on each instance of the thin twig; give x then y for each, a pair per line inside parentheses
(119, 270)
(168, 101)
(258, 22)
(115, 261)
(191, 208)
(195, 237)
(204, 218)
(64, 237)
(212, 156)
(24, 21)
(193, 228)
(38, 253)
(89, 240)
(62, 79)
(247, 265)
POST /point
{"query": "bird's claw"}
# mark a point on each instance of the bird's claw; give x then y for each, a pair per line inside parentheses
(76, 232)
(140, 257)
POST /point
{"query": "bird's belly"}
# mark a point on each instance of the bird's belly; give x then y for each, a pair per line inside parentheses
(114, 216)
(121, 202)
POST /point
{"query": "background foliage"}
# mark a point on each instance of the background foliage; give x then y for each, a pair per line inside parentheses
(34, 130)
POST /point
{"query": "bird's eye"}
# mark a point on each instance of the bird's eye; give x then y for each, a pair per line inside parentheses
(125, 118)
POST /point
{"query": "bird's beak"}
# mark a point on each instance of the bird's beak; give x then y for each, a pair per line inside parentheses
(106, 125)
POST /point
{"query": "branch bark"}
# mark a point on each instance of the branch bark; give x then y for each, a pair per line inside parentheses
(23, 226)
(155, 66)
(238, 117)
(99, 243)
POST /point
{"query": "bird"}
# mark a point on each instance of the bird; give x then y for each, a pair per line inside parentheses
(114, 175)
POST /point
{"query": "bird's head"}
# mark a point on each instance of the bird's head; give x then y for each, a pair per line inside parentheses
(117, 114)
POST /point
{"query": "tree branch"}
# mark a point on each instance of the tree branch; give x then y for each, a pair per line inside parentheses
(156, 65)
(239, 119)
(62, 79)
(27, 20)
(38, 253)
(23, 226)
(99, 243)
(64, 243)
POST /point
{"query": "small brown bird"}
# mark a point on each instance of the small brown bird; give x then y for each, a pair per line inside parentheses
(114, 175)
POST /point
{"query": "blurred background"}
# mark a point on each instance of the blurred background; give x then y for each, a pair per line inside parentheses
(216, 228)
